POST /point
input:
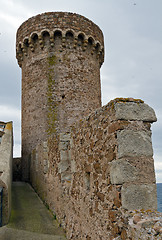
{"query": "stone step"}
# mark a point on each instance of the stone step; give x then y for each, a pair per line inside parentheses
(15, 234)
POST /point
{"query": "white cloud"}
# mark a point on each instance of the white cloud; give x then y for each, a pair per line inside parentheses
(158, 166)
(159, 177)
(9, 113)
(158, 161)
(11, 20)
(12, 14)
(17, 150)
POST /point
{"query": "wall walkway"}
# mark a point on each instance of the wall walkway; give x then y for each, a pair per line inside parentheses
(30, 219)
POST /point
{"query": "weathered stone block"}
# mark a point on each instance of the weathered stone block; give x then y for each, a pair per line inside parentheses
(63, 166)
(63, 145)
(139, 196)
(73, 166)
(66, 176)
(121, 171)
(45, 146)
(64, 136)
(64, 155)
(134, 143)
(135, 111)
(46, 165)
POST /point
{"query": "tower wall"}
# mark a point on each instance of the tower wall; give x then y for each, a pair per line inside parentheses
(60, 55)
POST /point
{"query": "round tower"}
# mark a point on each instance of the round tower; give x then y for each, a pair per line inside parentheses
(60, 55)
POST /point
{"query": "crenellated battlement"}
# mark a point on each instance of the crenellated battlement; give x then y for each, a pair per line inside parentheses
(71, 34)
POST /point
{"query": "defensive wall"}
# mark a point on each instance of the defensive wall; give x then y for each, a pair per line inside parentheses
(92, 166)
(6, 156)
(104, 166)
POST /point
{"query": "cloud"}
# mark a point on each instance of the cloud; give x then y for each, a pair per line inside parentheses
(159, 176)
(9, 113)
(158, 165)
(11, 20)
(17, 150)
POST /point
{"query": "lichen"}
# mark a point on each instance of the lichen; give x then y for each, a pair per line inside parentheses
(52, 105)
(128, 100)
(123, 100)
(52, 60)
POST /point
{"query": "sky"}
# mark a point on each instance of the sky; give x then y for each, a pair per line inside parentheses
(133, 55)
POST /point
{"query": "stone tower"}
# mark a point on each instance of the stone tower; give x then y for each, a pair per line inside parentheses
(60, 55)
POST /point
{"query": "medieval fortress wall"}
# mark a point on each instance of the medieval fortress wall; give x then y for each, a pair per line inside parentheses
(91, 165)
(6, 156)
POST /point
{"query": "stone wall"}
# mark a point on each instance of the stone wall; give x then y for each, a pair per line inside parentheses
(93, 167)
(6, 156)
(60, 55)
(99, 177)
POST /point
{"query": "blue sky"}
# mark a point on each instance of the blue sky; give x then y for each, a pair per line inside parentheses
(133, 54)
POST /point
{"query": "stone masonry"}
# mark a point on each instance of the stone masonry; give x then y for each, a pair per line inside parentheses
(92, 166)
(6, 156)
(60, 55)
(90, 180)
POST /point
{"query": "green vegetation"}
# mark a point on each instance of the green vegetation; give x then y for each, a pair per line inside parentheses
(52, 105)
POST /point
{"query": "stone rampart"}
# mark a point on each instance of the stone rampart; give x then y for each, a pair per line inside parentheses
(6, 156)
(92, 166)
(100, 176)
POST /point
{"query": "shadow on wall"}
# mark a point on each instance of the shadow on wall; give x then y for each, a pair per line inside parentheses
(17, 169)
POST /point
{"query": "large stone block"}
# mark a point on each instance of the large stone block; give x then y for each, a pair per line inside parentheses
(134, 111)
(64, 155)
(63, 145)
(134, 143)
(65, 136)
(139, 197)
(63, 166)
(121, 172)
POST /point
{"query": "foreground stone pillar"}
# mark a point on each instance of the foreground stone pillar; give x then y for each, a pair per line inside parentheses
(60, 55)
(133, 167)
(6, 156)
(113, 173)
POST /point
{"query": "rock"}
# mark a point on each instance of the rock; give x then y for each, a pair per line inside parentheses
(134, 111)
(158, 229)
(139, 196)
(134, 143)
(121, 171)
(146, 223)
(136, 219)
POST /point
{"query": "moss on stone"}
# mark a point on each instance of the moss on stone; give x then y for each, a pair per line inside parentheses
(52, 105)
(52, 60)
(112, 103)
(128, 100)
